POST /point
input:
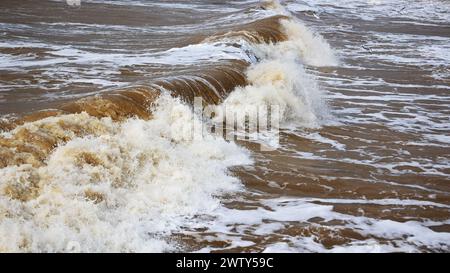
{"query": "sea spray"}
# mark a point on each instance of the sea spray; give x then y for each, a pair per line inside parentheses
(280, 79)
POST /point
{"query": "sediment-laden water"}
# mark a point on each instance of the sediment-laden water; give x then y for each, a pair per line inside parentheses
(97, 146)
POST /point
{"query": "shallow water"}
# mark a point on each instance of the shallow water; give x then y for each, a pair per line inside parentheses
(363, 158)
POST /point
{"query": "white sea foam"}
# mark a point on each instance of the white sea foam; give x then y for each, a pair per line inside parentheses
(302, 41)
(435, 11)
(68, 55)
(143, 179)
(283, 83)
(280, 79)
(282, 212)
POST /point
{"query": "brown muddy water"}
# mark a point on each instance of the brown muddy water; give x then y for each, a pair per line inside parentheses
(97, 152)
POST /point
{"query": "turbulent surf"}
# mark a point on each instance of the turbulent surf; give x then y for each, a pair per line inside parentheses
(99, 144)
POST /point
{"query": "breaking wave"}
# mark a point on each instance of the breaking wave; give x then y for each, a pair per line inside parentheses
(120, 171)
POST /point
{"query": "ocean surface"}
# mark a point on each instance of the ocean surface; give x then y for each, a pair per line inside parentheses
(97, 146)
